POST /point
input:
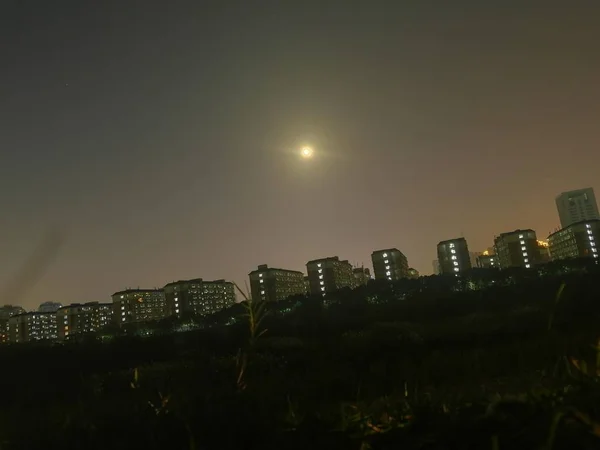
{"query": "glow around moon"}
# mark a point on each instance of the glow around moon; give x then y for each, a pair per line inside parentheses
(306, 152)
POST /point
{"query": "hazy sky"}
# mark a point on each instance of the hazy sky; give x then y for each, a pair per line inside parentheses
(161, 136)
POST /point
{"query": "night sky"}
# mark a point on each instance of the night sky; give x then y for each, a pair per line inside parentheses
(161, 138)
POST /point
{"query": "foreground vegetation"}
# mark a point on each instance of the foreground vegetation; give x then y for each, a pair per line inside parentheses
(494, 361)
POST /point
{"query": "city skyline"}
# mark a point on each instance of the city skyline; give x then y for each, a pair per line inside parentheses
(164, 144)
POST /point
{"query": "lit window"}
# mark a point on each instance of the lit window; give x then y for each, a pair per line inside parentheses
(387, 267)
(525, 255)
(323, 288)
(262, 281)
(390, 278)
(523, 248)
(321, 283)
(527, 266)
(177, 311)
(521, 236)
(260, 275)
(526, 260)
(386, 261)
(453, 256)
(591, 238)
(388, 273)
(456, 269)
(385, 255)
(451, 245)
(453, 251)
(522, 242)
(319, 265)
(320, 270)
(456, 263)
(122, 296)
(320, 277)
(262, 292)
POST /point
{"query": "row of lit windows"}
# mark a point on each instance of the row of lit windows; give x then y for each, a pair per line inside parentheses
(524, 252)
(387, 267)
(592, 241)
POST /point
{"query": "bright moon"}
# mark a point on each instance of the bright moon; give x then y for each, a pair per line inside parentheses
(306, 152)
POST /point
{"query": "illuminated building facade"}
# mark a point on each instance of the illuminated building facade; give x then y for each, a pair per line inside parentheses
(79, 319)
(272, 285)
(218, 294)
(32, 326)
(517, 248)
(578, 240)
(329, 274)
(138, 305)
(198, 297)
(389, 264)
(6, 312)
(454, 256)
(183, 296)
(577, 206)
(413, 274)
(543, 252)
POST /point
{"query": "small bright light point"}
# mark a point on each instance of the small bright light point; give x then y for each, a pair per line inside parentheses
(306, 152)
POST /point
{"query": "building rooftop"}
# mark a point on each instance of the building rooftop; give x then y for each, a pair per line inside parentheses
(386, 250)
(193, 280)
(264, 267)
(508, 233)
(33, 313)
(576, 191)
(451, 240)
(75, 305)
(131, 291)
(581, 222)
(329, 258)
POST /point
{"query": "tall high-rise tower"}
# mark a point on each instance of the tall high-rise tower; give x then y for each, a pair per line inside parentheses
(576, 206)
(453, 256)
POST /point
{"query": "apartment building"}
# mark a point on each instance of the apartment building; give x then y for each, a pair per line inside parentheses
(271, 284)
(330, 274)
(577, 206)
(578, 240)
(487, 260)
(389, 264)
(517, 248)
(362, 275)
(79, 319)
(453, 256)
(198, 297)
(32, 326)
(6, 312)
(139, 305)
